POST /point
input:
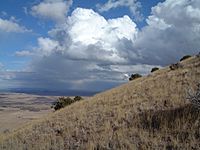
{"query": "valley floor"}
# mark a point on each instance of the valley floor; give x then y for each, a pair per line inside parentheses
(18, 109)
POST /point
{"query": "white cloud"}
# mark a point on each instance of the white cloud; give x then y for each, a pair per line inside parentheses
(1, 66)
(3, 14)
(88, 36)
(91, 36)
(90, 52)
(46, 46)
(55, 10)
(11, 26)
(79, 52)
(6, 75)
(172, 31)
(140, 68)
(133, 5)
(24, 53)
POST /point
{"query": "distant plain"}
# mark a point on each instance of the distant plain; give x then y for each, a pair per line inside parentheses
(17, 109)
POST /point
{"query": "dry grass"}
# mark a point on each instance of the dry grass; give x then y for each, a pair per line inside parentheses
(17, 109)
(148, 113)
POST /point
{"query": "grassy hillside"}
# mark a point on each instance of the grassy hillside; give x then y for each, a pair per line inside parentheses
(147, 113)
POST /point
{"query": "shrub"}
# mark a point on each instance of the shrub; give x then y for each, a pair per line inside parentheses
(175, 66)
(77, 98)
(65, 101)
(185, 57)
(198, 55)
(62, 102)
(6, 131)
(134, 76)
(154, 69)
(194, 96)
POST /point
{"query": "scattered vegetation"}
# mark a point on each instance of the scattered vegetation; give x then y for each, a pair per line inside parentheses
(194, 96)
(185, 57)
(175, 66)
(135, 76)
(65, 101)
(154, 69)
(6, 131)
(77, 98)
(198, 55)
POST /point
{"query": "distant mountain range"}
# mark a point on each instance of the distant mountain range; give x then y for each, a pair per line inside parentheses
(51, 92)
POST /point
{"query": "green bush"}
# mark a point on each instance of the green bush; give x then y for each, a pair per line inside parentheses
(62, 102)
(185, 57)
(134, 76)
(65, 101)
(198, 55)
(175, 66)
(154, 69)
(77, 98)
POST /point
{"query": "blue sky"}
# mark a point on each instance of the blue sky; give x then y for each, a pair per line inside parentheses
(41, 27)
(93, 45)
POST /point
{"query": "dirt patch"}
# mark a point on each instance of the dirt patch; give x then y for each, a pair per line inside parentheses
(18, 109)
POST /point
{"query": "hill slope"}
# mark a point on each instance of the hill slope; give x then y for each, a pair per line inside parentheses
(148, 113)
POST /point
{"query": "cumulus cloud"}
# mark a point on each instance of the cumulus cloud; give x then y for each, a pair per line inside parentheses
(55, 10)
(78, 54)
(5, 77)
(89, 36)
(133, 5)
(173, 30)
(11, 26)
(23, 53)
(46, 46)
(90, 52)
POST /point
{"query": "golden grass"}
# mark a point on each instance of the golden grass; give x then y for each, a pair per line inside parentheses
(147, 113)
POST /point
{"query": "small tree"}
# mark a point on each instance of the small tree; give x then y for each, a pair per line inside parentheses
(134, 76)
(198, 55)
(62, 102)
(175, 66)
(185, 57)
(154, 69)
(194, 96)
(77, 98)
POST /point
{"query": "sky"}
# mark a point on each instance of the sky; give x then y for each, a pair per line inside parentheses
(92, 45)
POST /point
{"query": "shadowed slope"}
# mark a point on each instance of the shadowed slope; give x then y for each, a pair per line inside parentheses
(147, 113)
